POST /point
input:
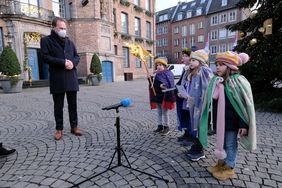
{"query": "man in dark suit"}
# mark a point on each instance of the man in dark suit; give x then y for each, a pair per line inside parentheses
(59, 52)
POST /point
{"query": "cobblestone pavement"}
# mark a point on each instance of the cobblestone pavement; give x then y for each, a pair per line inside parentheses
(27, 124)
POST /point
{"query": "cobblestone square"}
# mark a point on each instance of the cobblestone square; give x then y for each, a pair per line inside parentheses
(27, 124)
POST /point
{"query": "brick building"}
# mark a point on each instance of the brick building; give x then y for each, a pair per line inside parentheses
(194, 23)
(95, 26)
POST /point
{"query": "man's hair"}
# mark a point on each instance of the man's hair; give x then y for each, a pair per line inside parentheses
(56, 19)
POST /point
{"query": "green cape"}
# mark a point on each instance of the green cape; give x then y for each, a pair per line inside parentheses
(239, 93)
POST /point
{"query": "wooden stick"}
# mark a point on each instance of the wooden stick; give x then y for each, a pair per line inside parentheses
(149, 77)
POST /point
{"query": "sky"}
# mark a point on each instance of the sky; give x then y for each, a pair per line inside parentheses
(164, 4)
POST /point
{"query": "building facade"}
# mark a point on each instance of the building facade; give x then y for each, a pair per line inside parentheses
(199, 23)
(96, 26)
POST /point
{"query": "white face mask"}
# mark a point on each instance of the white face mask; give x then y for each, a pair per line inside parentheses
(62, 33)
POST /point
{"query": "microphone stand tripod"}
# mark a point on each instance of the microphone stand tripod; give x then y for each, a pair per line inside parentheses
(118, 151)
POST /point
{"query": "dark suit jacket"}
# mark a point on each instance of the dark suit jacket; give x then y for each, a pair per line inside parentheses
(54, 52)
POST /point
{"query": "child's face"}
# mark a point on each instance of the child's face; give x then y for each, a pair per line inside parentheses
(194, 63)
(186, 59)
(160, 67)
(221, 69)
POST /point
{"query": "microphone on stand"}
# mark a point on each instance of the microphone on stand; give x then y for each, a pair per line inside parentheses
(124, 103)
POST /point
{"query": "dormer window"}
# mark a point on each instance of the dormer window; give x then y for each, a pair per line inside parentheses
(199, 11)
(223, 3)
(189, 14)
(163, 17)
(179, 16)
(193, 4)
(203, 1)
(184, 7)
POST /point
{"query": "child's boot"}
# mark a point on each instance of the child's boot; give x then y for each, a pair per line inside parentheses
(224, 173)
(159, 129)
(217, 167)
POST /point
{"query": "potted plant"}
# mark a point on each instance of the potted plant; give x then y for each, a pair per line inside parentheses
(96, 71)
(10, 71)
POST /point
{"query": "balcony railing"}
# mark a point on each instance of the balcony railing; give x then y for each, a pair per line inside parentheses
(23, 9)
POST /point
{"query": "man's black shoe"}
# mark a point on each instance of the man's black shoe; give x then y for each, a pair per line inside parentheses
(5, 152)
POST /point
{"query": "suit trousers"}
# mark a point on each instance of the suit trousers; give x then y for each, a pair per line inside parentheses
(58, 99)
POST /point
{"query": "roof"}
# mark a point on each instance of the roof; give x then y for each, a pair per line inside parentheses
(216, 6)
(182, 8)
(192, 6)
(168, 11)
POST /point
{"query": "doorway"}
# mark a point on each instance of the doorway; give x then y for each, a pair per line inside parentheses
(38, 68)
(107, 71)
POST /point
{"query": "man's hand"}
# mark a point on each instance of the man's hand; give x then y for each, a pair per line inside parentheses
(68, 64)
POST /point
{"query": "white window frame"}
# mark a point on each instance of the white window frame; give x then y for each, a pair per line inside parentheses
(165, 42)
(222, 34)
(125, 52)
(163, 17)
(223, 18)
(60, 11)
(232, 16)
(148, 30)
(214, 35)
(214, 20)
(199, 11)
(213, 49)
(200, 25)
(138, 63)
(176, 55)
(222, 48)
(176, 42)
(192, 29)
(184, 30)
(180, 16)
(137, 26)
(192, 41)
(159, 30)
(165, 29)
(124, 23)
(176, 30)
(189, 14)
(201, 38)
(223, 3)
(184, 42)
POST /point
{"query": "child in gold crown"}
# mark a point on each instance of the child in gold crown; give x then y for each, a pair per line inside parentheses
(162, 100)
(230, 100)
